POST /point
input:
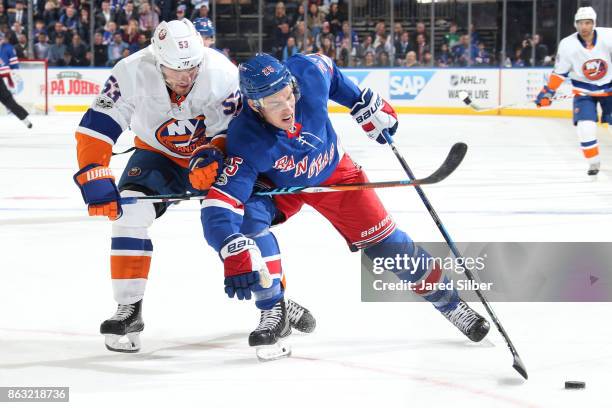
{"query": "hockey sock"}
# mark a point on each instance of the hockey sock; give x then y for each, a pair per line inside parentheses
(421, 272)
(270, 252)
(131, 250)
(587, 136)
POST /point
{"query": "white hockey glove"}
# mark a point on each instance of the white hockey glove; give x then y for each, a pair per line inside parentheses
(374, 115)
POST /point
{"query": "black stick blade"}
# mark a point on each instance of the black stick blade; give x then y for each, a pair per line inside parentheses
(519, 366)
(452, 161)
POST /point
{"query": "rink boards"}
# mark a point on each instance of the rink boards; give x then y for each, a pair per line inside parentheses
(419, 90)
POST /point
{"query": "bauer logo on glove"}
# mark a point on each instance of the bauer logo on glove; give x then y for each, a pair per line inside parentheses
(374, 115)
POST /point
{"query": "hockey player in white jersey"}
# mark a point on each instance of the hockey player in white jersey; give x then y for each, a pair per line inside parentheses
(176, 96)
(585, 57)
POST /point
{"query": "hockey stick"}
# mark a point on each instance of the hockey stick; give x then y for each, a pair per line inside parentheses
(450, 164)
(518, 363)
(125, 151)
(465, 98)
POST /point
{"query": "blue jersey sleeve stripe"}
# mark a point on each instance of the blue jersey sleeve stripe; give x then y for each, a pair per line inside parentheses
(101, 123)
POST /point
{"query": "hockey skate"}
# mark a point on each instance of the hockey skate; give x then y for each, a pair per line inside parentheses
(473, 325)
(593, 169)
(300, 318)
(273, 325)
(122, 331)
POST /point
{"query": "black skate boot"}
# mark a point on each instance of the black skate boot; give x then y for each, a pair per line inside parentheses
(273, 325)
(473, 325)
(300, 318)
(122, 331)
(593, 169)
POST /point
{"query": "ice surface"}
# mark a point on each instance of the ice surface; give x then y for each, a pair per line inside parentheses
(523, 180)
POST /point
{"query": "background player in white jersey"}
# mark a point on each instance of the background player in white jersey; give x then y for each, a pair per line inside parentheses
(176, 96)
(585, 57)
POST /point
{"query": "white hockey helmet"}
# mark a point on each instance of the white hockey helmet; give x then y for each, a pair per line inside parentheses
(177, 45)
(585, 13)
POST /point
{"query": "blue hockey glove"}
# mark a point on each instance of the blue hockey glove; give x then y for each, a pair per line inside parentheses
(545, 96)
(99, 191)
(205, 166)
(244, 268)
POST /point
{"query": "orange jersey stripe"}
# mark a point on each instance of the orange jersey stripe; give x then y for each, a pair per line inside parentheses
(130, 267)
(142, 145)
(555, 81)
(91, 150)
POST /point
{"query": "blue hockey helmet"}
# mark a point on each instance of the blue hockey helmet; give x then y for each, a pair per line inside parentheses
(204, 26)
(263, 75)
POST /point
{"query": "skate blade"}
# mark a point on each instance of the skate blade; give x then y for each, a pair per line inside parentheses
(272, 352)
(130, 343)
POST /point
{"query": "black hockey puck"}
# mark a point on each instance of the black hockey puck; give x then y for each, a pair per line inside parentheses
(574, 385)
(465, 97)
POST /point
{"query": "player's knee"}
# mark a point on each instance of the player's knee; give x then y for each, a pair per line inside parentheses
(267, 244)
(414, 259)
(586, 129)
(254, 228)
(397, 242)
(258, 215)
(140, 214)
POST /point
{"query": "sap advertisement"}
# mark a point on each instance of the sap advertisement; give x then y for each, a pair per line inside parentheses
(440, 88)
(430, 87)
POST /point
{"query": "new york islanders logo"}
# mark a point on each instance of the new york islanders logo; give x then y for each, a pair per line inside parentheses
(182, 136)
(595, 69)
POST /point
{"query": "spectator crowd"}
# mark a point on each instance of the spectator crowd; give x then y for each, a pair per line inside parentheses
(62, 31)
(324, 28)
(62, 28)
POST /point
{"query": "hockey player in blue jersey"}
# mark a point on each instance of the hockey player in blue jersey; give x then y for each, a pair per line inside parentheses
(284, 135)
(177, 97)
(206, 29)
